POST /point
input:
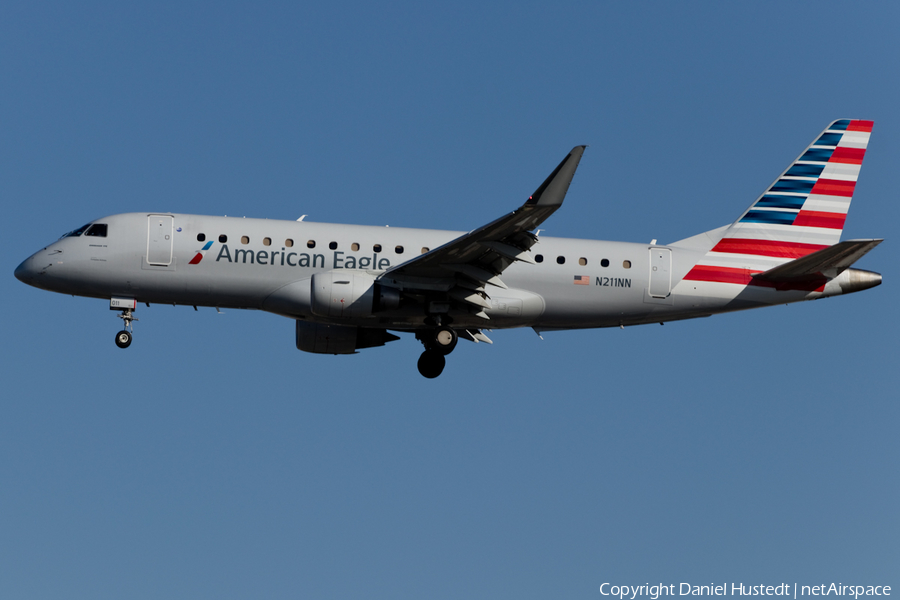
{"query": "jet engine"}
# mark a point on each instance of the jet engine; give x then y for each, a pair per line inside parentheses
(350, 293)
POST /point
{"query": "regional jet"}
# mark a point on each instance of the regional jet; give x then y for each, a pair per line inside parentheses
(348, 287)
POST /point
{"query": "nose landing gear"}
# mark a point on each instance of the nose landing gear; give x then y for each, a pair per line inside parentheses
(123, 338)
(438, 343)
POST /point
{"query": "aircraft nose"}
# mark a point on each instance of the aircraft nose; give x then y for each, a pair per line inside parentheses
(26, 272)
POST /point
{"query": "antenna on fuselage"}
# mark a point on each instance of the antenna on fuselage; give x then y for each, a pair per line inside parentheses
(301, 217)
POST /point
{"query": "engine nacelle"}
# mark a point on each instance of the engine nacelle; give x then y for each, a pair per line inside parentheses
(320, 338)
(349, 293)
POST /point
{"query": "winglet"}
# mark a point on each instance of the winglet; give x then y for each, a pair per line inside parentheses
(553, 190)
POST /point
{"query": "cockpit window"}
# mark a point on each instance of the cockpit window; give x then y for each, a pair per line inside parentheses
(78, 231)
(97, 230)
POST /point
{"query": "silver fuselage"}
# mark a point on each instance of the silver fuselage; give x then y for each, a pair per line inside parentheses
(267, 265)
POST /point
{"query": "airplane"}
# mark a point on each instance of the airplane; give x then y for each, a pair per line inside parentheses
(347, 287)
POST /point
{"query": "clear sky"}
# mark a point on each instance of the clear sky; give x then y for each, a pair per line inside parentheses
(214, 460)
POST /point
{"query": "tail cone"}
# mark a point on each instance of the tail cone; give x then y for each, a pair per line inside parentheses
(856, 280)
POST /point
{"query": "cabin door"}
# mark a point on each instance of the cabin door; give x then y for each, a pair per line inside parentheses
(159, 239)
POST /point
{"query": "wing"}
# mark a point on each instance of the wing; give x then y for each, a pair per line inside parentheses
(460, 269)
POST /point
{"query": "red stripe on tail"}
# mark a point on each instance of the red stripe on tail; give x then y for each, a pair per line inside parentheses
(766, 247)
(834, 187)
(745, 277)
(812, 218)
(850, 156)
(860, 125)
(720, 274)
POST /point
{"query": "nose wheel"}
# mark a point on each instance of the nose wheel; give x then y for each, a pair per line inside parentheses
(123, 338)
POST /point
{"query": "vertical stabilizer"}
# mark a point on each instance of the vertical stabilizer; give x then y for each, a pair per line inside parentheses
(802, 212)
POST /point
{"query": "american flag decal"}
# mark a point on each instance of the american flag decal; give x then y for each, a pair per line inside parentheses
(582, 280)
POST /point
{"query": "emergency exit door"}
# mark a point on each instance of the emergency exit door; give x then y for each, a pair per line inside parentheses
(660, 272)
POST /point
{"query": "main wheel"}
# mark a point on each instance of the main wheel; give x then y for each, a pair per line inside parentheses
(431, 363)
(445, 340)
(123, 339)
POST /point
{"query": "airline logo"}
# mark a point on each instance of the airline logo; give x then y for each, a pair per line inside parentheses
(199, 256)
(816, 190)
(802, 212)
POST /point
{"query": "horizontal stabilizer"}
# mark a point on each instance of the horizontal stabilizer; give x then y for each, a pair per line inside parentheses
(827, 263)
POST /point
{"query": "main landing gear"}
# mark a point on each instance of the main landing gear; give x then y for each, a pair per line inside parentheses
(438, 343)
(123, 338)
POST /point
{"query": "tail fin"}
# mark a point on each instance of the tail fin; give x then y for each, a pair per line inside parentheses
(802, 212)
(808, 203)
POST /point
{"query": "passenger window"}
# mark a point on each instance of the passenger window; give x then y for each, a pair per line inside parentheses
(267, 241)
(223, 238)
(201, 237)
(377, 247)
(332, 245)
(289, 243)
(97, 230)
(398, 249)
(561, 260)
(245, 240)
(604, 262)
(354, 246)
(539, 258)
(311, 244)
(582, 261)
(626, 264)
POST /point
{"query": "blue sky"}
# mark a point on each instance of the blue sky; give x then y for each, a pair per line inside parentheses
(213, 460)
